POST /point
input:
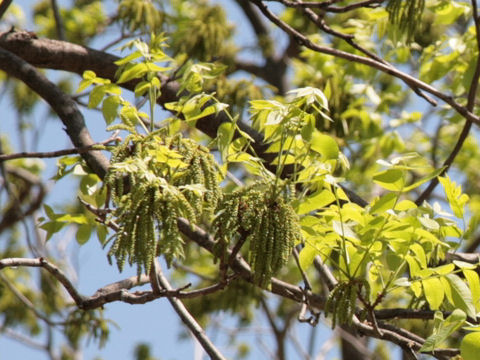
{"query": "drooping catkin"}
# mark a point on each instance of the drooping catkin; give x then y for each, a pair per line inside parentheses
(153, 180)
(269, 224)
(406, 15)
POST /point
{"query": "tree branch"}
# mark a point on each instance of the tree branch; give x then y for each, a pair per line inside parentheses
(25, 340)
(61, 55)
(4, 7)
(472, 93)
(113, 292)
(408, 79)
(61, 103)
(58, 20)
(25, 301)
(57, 153)
(13, 212)
(189, 320)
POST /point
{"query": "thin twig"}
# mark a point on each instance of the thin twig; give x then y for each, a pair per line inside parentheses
(354, 6)
(410, 80)
(25, 301)
(472, 93)
(58, 20)
(52, 154)
(189, 320)
(4, 7)
(112, 292)
(349, 39)
(315, 315)
(25, 340)
(302, 4)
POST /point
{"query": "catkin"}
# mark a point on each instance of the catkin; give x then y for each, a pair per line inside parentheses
(157, 194)
(270, 226)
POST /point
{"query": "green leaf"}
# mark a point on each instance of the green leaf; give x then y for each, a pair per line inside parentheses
(344, 230)
(473, 282)
(307, 255)
(83, 233)
(308, 130)
(73, 218)
(110, 108)
(142, 87)
(461, 295)
(429, 177)
(430, 224)
(209, 110)
(434, 293)
(96, 96)
(133, 72)
(155, 68)
(384, 203)
(456, 199)
(49, 211)
(52, 227)
(325, 145)
(419, 254)
(447, 12)
(102, 233)
(224, 138)
(316, 201)
(470, 346)
(391, 179)
(133, 56)
(89, 75)
(112, 89)
(443, 329)
(83, 85)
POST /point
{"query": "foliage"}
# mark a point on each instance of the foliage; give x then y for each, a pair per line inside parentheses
(330, 179)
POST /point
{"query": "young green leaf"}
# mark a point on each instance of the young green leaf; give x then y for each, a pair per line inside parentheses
(110, 108)
(456, 199)
(434, 293)
(325, 145)
(473, 282)
(391, 179)
(461, 295)
(443, 329)
(470, 346)
(316, 201)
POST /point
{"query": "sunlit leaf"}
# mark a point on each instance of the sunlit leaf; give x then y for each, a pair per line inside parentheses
(443, 329)
(391, 179)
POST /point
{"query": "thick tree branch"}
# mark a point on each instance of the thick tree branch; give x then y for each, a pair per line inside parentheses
(61, 103)
(61, 55)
